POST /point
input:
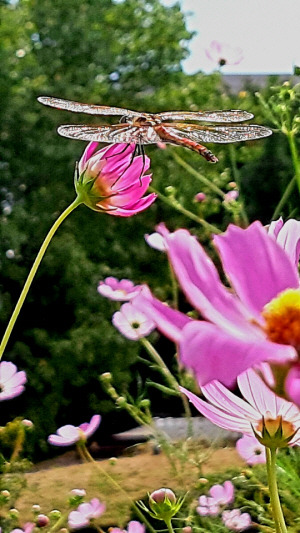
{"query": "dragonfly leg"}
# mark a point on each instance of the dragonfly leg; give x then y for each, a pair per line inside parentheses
(138, 150)
(118, 153)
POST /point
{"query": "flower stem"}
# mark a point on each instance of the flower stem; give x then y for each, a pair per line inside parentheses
(170, 380)
(236, 176)
(90, 459)
(172, 202)
(295, 159)
(33, 271)
(280, 526)
(169, 526)
(197, 174)
(287, 193)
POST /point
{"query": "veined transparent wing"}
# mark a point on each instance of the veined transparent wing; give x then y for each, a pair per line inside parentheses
(231, 115)
(90, 109)
(218, 134)
(117, 133)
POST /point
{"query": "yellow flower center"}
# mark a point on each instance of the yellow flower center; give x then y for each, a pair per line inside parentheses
(274, 432)
(282, 318)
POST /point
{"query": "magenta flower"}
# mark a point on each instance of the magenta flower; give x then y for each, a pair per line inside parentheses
(273, 420)
(133, 527)
(223, 54)
(28, 528)
(132, 323)
(257, 320)
(120, 291)
(111, 180)
(11, 381)
(236, 521)
(67, 435)
(157, 240)
(85, 513)
(219, 495)
(251, 450)
(287, 234)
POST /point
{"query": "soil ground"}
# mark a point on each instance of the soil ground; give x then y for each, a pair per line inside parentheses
(51, 482)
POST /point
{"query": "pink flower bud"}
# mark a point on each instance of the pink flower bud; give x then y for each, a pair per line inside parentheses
(200, 197)
(112, 181)
(159, 496)
(42, 520)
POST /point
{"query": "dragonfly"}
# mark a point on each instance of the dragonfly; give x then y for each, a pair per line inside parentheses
(173, 127)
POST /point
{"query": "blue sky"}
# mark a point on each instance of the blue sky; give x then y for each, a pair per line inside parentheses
(267, 31)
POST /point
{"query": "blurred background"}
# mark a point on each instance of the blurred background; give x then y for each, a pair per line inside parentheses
(135, 54)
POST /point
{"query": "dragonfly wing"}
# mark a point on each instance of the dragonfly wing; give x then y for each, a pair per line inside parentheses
(219, 134)
(231, 115)
(118, 133)
(90, 109)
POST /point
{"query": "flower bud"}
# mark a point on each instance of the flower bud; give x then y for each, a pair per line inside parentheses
(164, 504)
(55, 514)
(27, 423)
(78, 492)
(13, 513)
(111, 180)
(145, 403)
(106, 376)
(5, 494)
(121, 401)
(42, 520)
(36, 508)
(200, 197)
(159, 496)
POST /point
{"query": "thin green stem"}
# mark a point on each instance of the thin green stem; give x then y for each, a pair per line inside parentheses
(59, 523)
(169, 526)
(90, 459)
(295, 159)
(168, 376)
(33, 271)
(172, 202)
(287, 193)
(197, 174)
(280, 526)
(236, 176)
(160, 363)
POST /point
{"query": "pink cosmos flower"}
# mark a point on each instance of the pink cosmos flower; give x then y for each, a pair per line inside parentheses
(219, 495)
(67, 435)
(223, 54)
(287, 234)
(120, 291)
(261, 412)
(85, 513)
(132, 323)
(236, 521)
(133, 527)
(11, 381)
(111, 180)
(251, 450)
(28, 528)
(157, 240)
(257, 320)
